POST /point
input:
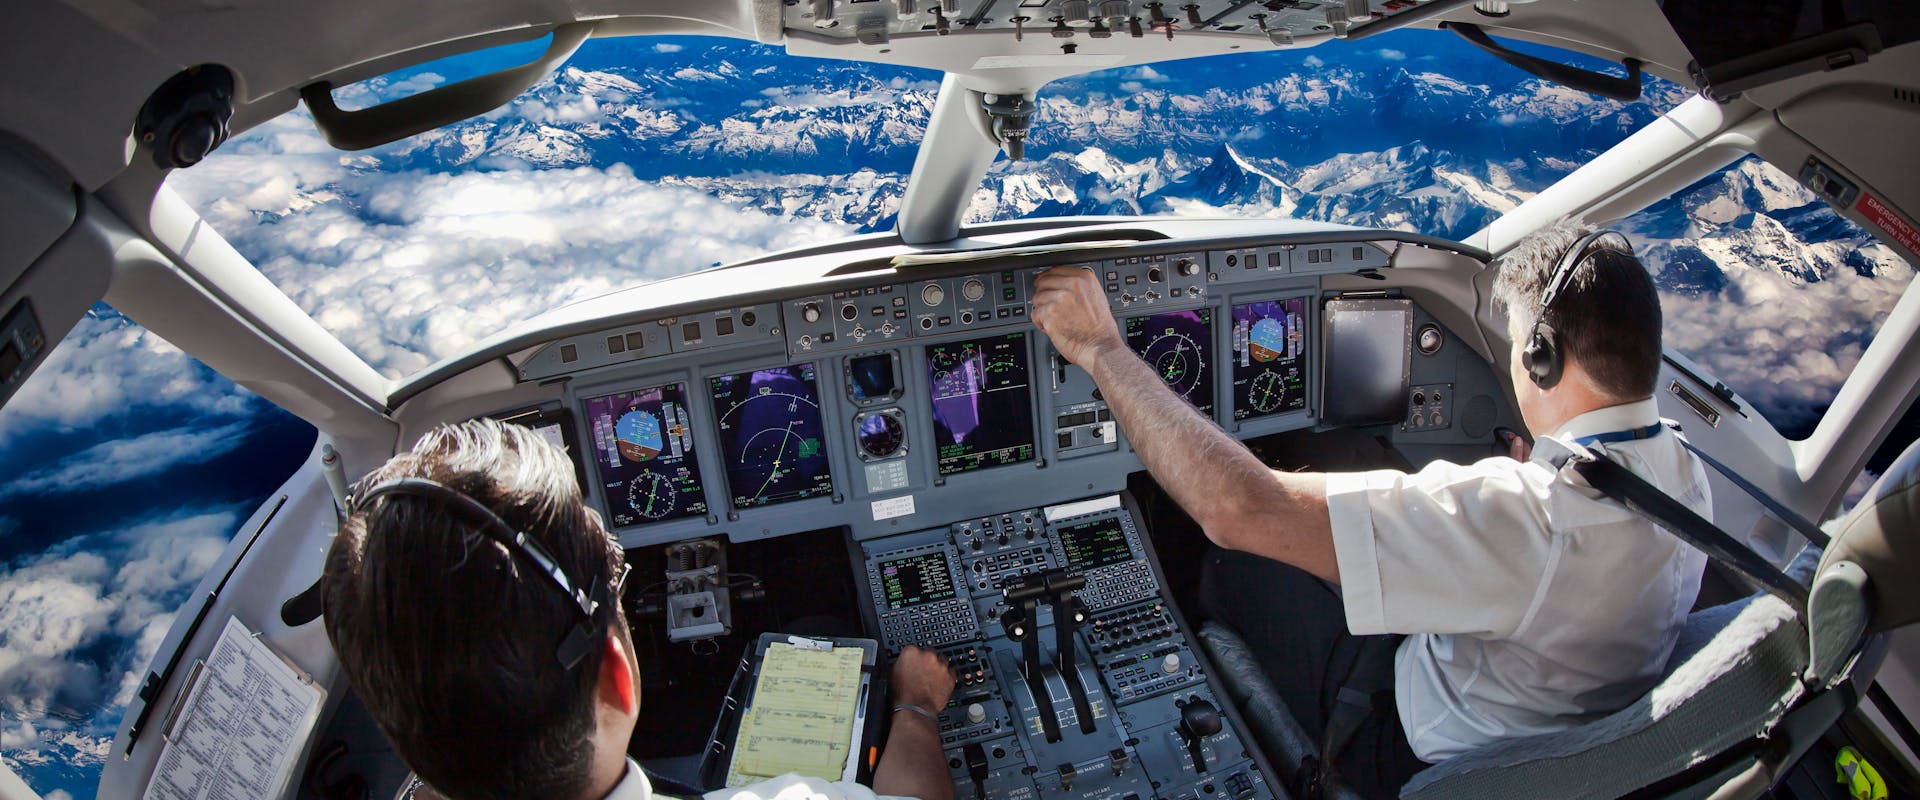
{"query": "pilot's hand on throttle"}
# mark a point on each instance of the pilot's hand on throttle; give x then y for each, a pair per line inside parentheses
(922, 678)
(1071, 309)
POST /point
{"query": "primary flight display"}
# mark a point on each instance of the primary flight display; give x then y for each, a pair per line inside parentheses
(643, 450)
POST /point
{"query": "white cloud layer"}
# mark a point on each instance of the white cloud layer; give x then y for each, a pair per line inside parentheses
(122, 460)
(107, 366)
(409, 267)
(78, 624)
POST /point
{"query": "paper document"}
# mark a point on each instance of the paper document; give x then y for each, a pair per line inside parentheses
(962, 256)
(245, 716)
(801, 718)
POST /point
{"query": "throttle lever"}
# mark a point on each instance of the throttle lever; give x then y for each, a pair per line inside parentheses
(976, 757)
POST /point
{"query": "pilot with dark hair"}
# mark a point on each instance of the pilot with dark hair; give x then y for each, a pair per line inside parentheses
(458, 646)
(1528, 602)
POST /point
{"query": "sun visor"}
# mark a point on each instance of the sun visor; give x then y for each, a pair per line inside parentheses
(1740, 44)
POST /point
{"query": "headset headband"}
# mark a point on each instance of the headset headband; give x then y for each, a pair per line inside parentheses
(489, 524)
(1590, 244)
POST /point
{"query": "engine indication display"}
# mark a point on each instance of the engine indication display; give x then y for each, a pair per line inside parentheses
(1269, 357)
(771, 435)
(916, 579)
(1178, 345)
(982, 407)
(1094, 544)
(643, 451)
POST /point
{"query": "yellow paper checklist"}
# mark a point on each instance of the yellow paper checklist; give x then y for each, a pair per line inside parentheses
(801, 717)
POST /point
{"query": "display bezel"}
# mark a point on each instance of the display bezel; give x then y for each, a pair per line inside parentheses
(1236, 373)
(1020, 423)
(1207, 344)
(806, 373)
(893, 366)
(603, 483)
(1364, 398)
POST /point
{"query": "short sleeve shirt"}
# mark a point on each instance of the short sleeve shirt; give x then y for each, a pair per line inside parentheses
(1531, 602)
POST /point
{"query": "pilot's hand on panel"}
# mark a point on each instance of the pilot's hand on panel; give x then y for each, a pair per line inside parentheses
(922, 678)
(1071, 309)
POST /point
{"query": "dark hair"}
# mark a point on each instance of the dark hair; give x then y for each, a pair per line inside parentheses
(1607, 319)
(449, 640)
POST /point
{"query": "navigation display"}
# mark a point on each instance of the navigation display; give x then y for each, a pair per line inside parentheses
(643, 448)
(1269, 357)
(916, 579)
(1178, 345)
(982, 408)
(1094, 544)
(771, 436)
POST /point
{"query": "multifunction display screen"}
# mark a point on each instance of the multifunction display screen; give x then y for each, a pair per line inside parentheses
(771, 435)
(1178, 345)
(1368, 347)
(643, 448)
(982, 408)
(1269, 357)
(1095, 543)
(916, 579)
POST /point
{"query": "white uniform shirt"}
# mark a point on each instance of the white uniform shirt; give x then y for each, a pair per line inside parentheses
(791, 786)
(1532, 604)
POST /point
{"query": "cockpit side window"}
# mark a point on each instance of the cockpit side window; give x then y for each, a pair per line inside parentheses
(1763, 285)
(125, 467)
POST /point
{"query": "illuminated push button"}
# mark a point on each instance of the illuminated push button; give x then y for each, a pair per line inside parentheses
(1170, 664)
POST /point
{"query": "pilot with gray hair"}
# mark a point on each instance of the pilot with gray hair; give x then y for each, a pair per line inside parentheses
(474, 601)
(1473, 602)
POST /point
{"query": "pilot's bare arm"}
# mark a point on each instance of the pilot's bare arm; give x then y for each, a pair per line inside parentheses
(1240, 503)
(912, 764)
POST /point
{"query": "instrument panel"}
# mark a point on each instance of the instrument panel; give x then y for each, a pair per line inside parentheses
(909, 399)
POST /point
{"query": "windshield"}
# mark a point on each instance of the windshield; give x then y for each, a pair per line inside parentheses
(644, 158)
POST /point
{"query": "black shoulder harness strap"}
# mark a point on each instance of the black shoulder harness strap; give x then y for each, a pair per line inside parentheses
(1621, 484)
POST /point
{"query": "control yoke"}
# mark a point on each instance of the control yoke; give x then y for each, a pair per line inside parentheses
(1024, 597)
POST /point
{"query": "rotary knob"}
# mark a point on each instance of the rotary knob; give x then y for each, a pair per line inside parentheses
(932, 294)
(973, 290)
(976, 714)
(810, 312)
(1187, 267)
(1170, 664)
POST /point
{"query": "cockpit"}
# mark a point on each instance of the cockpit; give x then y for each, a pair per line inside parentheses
(869, 439)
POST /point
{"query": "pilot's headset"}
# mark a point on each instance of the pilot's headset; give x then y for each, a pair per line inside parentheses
(1542, 357)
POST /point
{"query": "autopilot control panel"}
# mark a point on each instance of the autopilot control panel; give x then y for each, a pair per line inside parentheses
(1076, 675)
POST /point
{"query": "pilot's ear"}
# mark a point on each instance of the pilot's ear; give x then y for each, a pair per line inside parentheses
(616, 682)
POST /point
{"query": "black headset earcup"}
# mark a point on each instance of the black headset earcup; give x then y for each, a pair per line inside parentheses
(1541, 358)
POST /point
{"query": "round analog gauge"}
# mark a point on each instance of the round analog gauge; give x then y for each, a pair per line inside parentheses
(1267, 392)
(973, 290)
(932, 295)
(880, 434)
(652, 495)
(1430, 339)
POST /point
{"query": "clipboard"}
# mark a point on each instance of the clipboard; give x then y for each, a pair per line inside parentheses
(739, 706)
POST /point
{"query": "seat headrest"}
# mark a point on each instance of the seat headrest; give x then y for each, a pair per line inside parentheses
(1882, 535)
